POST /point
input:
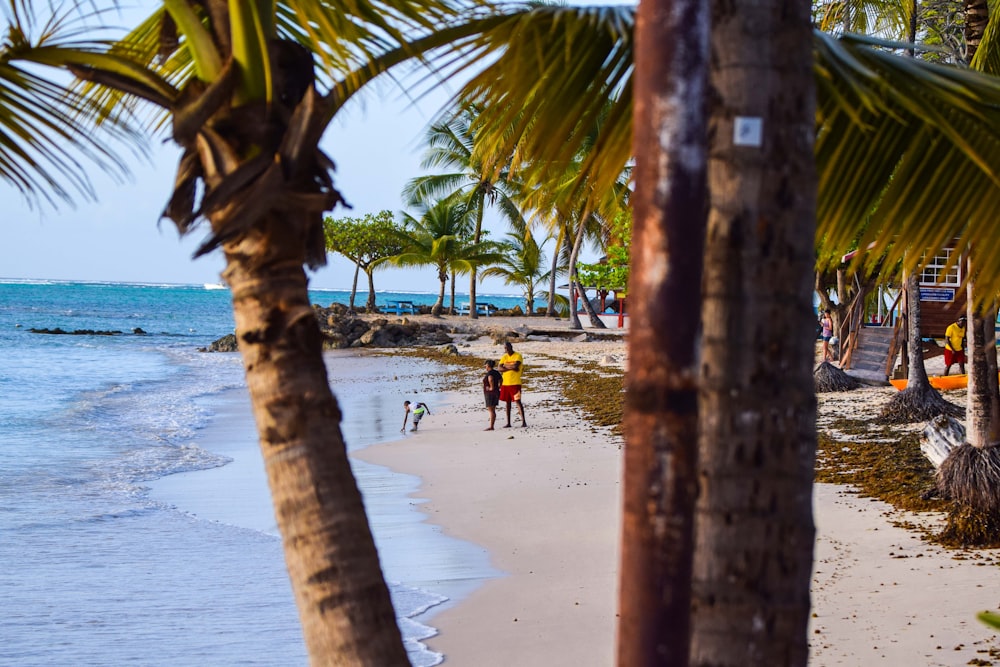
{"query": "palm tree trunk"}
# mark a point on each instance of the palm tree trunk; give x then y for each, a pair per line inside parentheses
(370, 305)
(550, 311)
(574, 283)
(451, 310)
(354, 285)
(476, 238)
(757, 441)
(347, 616)
(661, 410)
(595, 321)
(439, 304)
(983, 393)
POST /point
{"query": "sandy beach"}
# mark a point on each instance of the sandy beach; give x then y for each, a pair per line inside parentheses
(545, 502)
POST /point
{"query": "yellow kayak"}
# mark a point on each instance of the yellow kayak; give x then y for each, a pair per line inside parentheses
(941, 382)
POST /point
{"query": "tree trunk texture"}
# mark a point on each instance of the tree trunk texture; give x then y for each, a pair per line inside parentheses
(976, 17)
(754, 528)
(347, 616)
(661, 408)
(983, 394)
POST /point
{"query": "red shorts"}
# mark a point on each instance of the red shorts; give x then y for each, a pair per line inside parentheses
(952, 357)
(510, 392)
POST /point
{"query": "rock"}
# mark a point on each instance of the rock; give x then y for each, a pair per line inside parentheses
(543, 339)
(138, 331)
(608, 360)
(225, 344)
(582, 338)
(449, 349)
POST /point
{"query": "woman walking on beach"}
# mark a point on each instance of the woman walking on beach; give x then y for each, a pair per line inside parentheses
(491, 390)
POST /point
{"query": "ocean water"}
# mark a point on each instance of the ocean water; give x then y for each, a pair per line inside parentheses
(96, 568)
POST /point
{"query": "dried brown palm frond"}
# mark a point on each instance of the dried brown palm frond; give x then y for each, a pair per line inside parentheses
(828, 377)
(971, 476)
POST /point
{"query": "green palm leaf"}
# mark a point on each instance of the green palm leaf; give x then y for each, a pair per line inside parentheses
(49, 134)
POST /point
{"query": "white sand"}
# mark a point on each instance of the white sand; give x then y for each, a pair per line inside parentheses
(546, 504)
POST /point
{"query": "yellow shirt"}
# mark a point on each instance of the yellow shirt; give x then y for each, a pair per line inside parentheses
(955, 336)
(512, 377)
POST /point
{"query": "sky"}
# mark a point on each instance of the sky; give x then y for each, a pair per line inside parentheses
(121, 237)
(376, 145)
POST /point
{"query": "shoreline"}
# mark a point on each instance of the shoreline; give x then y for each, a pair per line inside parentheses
(542, 506)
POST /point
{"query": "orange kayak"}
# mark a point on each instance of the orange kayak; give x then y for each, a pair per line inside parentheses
(942, 382)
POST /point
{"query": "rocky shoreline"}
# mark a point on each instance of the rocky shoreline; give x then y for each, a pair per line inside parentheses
(342, 328)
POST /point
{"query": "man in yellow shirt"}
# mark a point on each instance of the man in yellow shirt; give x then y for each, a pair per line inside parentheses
(954, 345)
(511, 364)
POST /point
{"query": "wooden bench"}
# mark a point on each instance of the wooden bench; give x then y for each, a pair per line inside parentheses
(400, 307)
(481, 309)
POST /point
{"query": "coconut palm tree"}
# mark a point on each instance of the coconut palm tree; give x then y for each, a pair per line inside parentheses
(522, 265)
(451, 144)
(440, 237)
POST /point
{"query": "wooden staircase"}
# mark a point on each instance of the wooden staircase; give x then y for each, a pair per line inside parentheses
(870, 358)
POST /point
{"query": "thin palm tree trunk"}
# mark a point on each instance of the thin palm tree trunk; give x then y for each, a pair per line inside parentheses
(354, 285)
(370, 304)
(347, 616)
(550, 311)
(661, 410)
(574, 284)
(476, 238)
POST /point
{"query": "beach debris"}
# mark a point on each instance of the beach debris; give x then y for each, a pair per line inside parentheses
(609, 360)
(940, 436)
(827, 378)
(582, 338)
(971, 477)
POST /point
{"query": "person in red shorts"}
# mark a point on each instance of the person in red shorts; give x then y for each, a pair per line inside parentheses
(511, 365)
(954, 345)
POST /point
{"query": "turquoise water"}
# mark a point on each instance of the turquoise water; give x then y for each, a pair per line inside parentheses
(95, 571)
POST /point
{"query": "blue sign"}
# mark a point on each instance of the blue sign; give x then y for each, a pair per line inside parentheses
(946, 294)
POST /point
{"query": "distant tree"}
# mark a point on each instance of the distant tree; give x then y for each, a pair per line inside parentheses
(523, 265)
(451, 145)
(366, 241)
(440, 238)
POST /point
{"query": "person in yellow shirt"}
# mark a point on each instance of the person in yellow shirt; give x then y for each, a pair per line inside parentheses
(511, 365)
(954, 345)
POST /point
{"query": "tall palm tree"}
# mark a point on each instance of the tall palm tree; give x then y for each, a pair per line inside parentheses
(440, 238)
(522, 265)
(451, 145)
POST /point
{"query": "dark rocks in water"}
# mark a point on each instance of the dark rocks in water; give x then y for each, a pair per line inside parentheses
(225, 344)
(75, 332)
(342, 329)
(138, 331)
